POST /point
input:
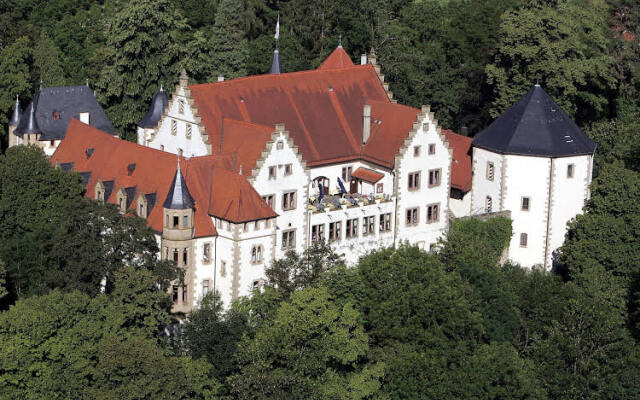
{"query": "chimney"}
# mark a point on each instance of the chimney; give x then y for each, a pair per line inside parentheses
(366, 123)
(240, 170)
(84, 117)
(363, 59)
(220, 78)
(464, 130)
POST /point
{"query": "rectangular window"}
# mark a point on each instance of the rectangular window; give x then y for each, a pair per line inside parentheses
(523, 240)
(256, 254)
(317, 233)
(288, 169)
(525, 204)
(185, 294)
(432, 149)
(335, 230)
(176, 221)
(416, 151)
(205, 287)
(434, 177)
(412, 216)
(206, 252)
(289, 239)
(346, 173)
(490, 171)
(368, 225)
(189, 130)
(289, 201)
(174, 127)
(570, 170)
(223, 269)
(433, 213)
(174, 294)
(414, 181)
(269, 200)
(385, 222)
(181, 106)
(379, 188)
(272, 172)
(184, 256)
(185, 221)
(352, 228)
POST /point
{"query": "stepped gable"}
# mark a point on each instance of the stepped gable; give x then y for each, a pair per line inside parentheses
(336, 60)
(535, 126)
(107, 158)
(56, 106)
(322, 109)
(461, 163)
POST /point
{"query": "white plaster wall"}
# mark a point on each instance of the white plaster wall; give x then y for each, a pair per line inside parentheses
(481, 186)
(298, 181)
(222, 252)
(334, 171)
(48, 148)
(568, 197)
(354, 248)
(423, 234)
(195, 146)
(527, 177)
(203, 270)
(250, 272)
(462, 207)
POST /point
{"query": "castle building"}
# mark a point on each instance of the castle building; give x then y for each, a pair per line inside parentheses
(47, 116)
(536, 163)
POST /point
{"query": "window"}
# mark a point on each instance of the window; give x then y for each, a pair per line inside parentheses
(181, 106)
(317, 233)
(289, 201)
(570, 170)
(432, 149)
(223, 269)
(189, 130)
(174, 127)
(414, 181)
(268, 199)
(141, 212)
(256, 254)
(433, 213)
(272, 172)
(335, 230)
(256, 225)
(257, 284)
(180, 152)
(368, 226)
(175, 256)
(280, 145)
(184, 256)
(174, 293)
(385, 222)
(52, 143)
(288, 169)
(434, 177)
(416, 151)
(162, 147)
(185, 294)
(176, 221)
(288, 239)
(490, 171)
(523, 240)
(352, 228)
(346, 173)
(379, 188)
(525, 204)
(206, 252)
(205, 287)
(185, 221)
(412, 216)
(56, 115)
(488, 204)
(121, 204)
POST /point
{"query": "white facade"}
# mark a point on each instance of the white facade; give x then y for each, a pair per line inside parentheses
(541, 193)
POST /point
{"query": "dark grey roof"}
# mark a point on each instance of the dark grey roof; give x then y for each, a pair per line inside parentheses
(15, 117)
(275, 64)
(535, 126)
(28, 122)
(178, 197)
(158, 105)
(68, 102)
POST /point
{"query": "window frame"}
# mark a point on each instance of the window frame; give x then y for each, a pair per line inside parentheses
(433, 208)
(317, 233)
(291, 242)
(273, 172)
(432, 149)
(571, 171)
(413, 181)
(524, 240)
(433, 174)
(490, 172)
(351, 228)
(174, 127)
(417, 150)
(412, 216)
(525, 200)
(335, 231)
(292, 197)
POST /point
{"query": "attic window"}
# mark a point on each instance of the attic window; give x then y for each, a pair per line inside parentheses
(130, 168)
(56, 115)
(181, 106)
(330, 88)
(89, 152)
(280, 145)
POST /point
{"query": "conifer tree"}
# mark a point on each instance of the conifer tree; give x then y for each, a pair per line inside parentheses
(229, 46)
(143, 49)
(46, 62)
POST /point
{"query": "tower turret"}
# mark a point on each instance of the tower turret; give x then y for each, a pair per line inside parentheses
(28, 128)
(13, 123)
(150, 121)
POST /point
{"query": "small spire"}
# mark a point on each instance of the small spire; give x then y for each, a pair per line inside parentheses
(31, 125)
(87, 82)
(178, 197)
(161, 88)
(339, 40)
(15, 117)
(275, 63)
(40, 83)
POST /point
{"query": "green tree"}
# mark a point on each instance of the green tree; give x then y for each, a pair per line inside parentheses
(563, 45)
(3, 279)
(229, 46)
(312, 348)
(617, 139)
(143, 49)
(46, 62)
(14, 70)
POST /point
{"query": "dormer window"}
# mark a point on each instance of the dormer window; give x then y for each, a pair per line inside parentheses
(56, 115)
(130, 168)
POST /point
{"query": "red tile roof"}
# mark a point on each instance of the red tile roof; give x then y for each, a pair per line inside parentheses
(214, 187)
(244, 142)
(337, 59)
(461, 163)
(367, 175)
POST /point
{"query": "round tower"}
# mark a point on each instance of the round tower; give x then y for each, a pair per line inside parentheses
(27, 130)
(149, 122)
(13, 124)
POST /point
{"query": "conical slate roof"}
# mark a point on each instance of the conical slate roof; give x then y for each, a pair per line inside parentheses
(275, 64)
(15, 117)
(158, 105)
(178, 197)
(535, 126)
(28, 123)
